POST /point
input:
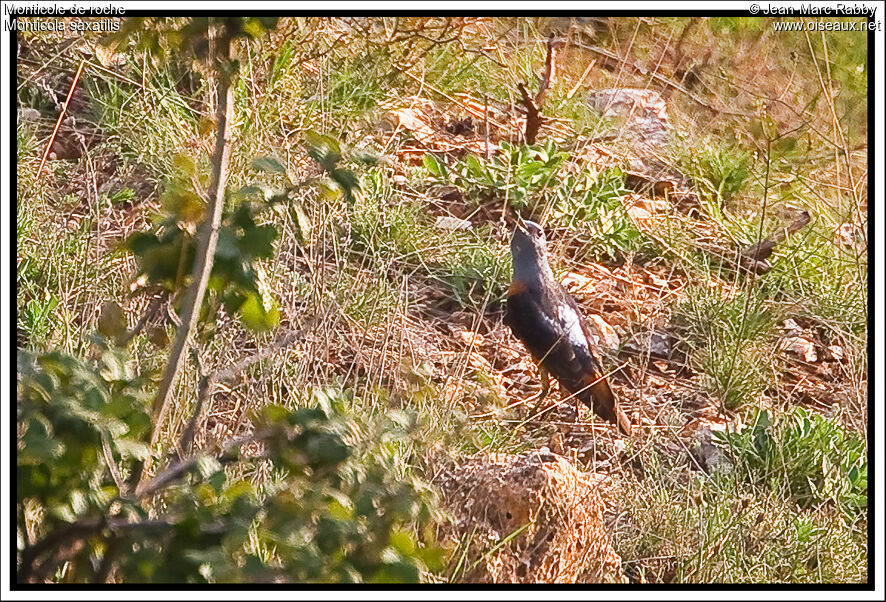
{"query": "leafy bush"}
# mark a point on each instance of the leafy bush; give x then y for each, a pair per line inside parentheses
(817, 459)
(165, 253)
(532, 177)
(518, 173)
(729, 340)
(590, 202)
(341, 509)
(719, 173)
(475, 267)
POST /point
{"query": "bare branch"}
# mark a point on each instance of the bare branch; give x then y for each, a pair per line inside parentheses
(550, 73)
(207, 240)
(533, 118)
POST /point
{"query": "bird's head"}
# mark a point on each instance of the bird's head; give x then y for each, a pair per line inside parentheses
(528, 247)
(528, 238)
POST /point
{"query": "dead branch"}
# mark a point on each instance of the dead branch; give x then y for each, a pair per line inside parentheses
(754, 257)
(61, 117)
(533, 118)
(533, 105)
(550, 73)
(208, 381)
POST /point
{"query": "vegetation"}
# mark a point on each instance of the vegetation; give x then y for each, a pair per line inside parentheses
(271, 399)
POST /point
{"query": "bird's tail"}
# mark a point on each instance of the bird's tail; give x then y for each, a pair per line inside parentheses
(600, 398)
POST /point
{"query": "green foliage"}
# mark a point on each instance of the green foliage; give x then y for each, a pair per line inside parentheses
(475, 266)
(67, 411)
(160, 37)
(329, 154)
(534, 178)
(729, 340)
(591, 203)
(36, 321)
(685, 526)
(518, 173)
(342, 511)
(815, 458)
(719, 173)
(165, 253)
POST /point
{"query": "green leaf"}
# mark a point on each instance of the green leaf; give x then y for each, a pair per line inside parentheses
(436, 167)
(239, 489)
(347, 180)
(326, 449)
(273, 412)
(38, 443)
(268, 165)
(180, 200)
(208, 466)
(324, 149)
(133, 449)
(112, 321)
(396, 572)
(259, 241)
(256, 316)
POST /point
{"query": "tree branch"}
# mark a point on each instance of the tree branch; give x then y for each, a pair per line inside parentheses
(208, 381)
(206, 243)
(533, 118)
(29, 571)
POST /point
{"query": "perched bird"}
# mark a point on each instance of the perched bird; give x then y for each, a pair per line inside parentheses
(548, 322)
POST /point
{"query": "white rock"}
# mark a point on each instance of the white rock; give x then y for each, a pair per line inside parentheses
(802, 347)
(448, 222)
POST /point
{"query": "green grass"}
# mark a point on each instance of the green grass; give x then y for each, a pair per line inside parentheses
(778, 512)
(730, 341)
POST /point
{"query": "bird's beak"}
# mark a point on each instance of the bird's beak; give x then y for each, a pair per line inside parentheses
(521, 223)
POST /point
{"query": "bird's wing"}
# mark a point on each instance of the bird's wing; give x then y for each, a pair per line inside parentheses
(583, 325)
(591, 387)
(539, 330)
(552, 329)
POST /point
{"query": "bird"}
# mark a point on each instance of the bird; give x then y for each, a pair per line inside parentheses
(547, 320)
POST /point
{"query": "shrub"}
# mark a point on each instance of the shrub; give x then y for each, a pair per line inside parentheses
(340, 510)
(813, 456)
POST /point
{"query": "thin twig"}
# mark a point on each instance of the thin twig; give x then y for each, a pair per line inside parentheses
(533, 119)
(207, 240)
(550, 73)
(61, 117)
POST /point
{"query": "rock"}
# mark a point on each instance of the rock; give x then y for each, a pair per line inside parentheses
(657, 342)
(552, 512)
(836, 352)
(802, 347)
(708, 455)
(644, 111)
(791, 326)
(448, 222)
